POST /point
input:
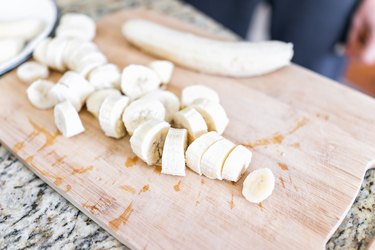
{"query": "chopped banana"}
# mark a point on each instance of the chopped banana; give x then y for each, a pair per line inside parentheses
(213, 159)
(197, 148)
(236, 163)
(213, 113)
(141, 111)
(173, 160)
(54, 54)
(76, 26)
(191, 93)
(168, 99)
(32, 71)
(40, 51)
(163, 69)
(190, 119)
(110, 116)
(96, 99)
(258, 185)
(38, 94)
(67, 119)
(148, 139)
(138, 80)
(105, 76)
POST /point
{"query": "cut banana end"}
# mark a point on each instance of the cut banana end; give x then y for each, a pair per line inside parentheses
(168, 99)
(196, 149)
(138, 80)
(110, 116)
(96, 99)
(32, 71)
(213, 159)
(163, 69)
(148, 139)
(38, 94)
(191, 93)
(213, 113)
(258, 185)
(67, 119)
(190, 119)
(105, 76)
(236, 163)
(173, 160)
(141, 111)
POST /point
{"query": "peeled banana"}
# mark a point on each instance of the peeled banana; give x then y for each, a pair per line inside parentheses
(190, 119)
(237, 59)
(67, 119)
(173, 160)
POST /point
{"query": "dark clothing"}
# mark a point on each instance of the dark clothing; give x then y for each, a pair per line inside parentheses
(313, 26)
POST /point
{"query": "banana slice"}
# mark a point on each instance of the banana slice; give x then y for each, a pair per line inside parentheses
(10, 47)
(72, 87)
(163, 69)
(105, 76)
(90, 61)
(38, 94)
(213, 159)
(197, 148)
(26, 29)
(168, 99)
(191, 93)
(173, 160)
(141, 111)
(32, 71)
(138, 80)
(54, 55)
(148, 139)
(190, 119)
(67, 119)
(40, 51)
(213, 113)
(110, 116)
(75, 51)
(76, 26)
(258, 185)
(96, 99)
(236, 163)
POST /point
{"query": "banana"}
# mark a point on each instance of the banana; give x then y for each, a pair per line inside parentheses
(173, 160)
(54, 54)
(213, 159)
(32, 71)
(96, 99)
(75, 50)
(10, 47)
(110, 116)
(197, 148)
(105, 76)
(148, 139)
(213, 113)
(190, 119)
(228, 58)
(67, 119)
(168, 99)
(76, 26)
(40, 51)
(90, 61)
(141, 111)
(191, 93)
(38, 94)
(258, 185)
(236, 163)
(163, 69)
(72, 87)
(25, 29)
(138, 80)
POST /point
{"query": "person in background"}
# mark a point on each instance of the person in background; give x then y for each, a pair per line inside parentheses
(315, 27)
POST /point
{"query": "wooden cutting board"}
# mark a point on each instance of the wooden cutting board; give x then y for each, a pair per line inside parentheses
(316, 136)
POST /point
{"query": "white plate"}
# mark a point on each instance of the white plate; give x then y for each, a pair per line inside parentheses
(20, 9)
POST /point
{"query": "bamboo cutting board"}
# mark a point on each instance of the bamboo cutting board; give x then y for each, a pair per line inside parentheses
(316, 136)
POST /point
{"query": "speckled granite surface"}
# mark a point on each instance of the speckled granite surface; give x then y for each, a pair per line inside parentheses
(33, 216)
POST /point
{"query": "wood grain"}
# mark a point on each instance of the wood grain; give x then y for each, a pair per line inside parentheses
(316, 136)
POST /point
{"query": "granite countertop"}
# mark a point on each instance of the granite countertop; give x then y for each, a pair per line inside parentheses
(32, 215)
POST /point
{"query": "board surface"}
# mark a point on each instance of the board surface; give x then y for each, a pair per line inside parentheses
(316, 136)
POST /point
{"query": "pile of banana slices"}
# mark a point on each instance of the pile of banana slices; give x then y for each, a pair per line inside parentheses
(164, 129)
